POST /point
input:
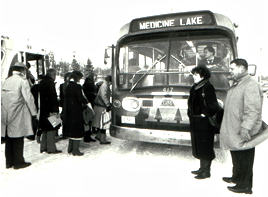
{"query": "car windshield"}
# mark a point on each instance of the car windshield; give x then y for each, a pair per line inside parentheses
(162, 62)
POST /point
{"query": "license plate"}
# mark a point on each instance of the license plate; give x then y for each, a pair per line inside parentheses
(128, 119)
(167, 103)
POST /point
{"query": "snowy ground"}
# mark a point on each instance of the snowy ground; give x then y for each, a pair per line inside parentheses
(124, 168)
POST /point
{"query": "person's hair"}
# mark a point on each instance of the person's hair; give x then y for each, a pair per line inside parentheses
(51, 72)
(202, 70)
(28, 65)
(108, 78)
(19, 69)
(210, 49)
(76, 75)
(90, 78)
(15, 68)
(240, 62)
(67, 75)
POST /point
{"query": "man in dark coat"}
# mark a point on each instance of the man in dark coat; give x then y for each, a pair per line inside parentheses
(62, 95)
(90, 91)
(73, 113)
(49, 106)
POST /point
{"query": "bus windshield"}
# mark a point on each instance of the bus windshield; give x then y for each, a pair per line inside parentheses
(168, 61)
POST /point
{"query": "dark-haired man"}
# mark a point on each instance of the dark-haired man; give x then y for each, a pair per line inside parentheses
(215, 65)
(242, 120)
(209, 57)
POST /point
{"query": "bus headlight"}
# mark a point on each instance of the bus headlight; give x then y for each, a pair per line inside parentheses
(131, 104)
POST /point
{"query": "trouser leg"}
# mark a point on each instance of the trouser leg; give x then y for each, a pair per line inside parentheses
(9, 151)
(98, 134)
(246, 161)
(70, 146)
(43, 143)
(18, 146)
(236, 167)
(205, 165)
(103, 137)
(51, 146)
(87, 136)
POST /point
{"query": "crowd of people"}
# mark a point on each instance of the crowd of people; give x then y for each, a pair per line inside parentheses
(30, 110)
(27, 107)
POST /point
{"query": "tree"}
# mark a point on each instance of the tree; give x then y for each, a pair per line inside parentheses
(88, 69)
(75, 65)
(64, 67)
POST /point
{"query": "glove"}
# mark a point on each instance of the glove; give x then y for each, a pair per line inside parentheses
(244, 133)
(109, 108)
(35, 123)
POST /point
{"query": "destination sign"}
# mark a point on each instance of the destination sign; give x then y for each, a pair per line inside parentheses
(172, 20)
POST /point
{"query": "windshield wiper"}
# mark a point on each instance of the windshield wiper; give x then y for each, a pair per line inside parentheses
(156, 62)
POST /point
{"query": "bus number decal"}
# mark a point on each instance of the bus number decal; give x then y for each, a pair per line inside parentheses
(168, 89)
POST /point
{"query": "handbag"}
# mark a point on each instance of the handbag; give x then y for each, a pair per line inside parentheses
(261, 136)
(216, 119)
(105, 120)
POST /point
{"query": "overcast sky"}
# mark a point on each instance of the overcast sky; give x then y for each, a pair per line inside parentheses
(87, 27)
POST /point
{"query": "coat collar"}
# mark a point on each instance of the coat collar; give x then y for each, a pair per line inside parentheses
(241, 79)
(200, 84)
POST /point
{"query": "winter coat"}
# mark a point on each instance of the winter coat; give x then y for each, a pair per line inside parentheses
(102, 102)
(242, 109)
(90, 90)
(202, 133)
(73, 111)
(48, 102)
(62, 92)
(103, 97)
(17, 107)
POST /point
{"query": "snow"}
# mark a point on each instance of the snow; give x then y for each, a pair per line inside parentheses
(124, 168)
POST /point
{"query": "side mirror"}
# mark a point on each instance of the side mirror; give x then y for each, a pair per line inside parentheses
(252, 69)
(108, 54)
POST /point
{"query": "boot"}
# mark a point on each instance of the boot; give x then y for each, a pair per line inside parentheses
(205, 169)
(76, 151)
(70, 146)
(87, 137)
(103, 137)
(197, 171)
(98, 132)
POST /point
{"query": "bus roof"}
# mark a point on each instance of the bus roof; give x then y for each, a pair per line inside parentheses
(177, 21)
(10, 44)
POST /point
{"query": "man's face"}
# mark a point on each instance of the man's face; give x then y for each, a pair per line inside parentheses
(235, 70)
(208, 54)
(53, 76)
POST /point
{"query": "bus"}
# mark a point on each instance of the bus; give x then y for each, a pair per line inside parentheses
(151, 66)
(12, 52)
